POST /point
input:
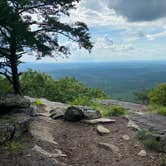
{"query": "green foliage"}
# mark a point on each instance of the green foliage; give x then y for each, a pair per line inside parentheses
(16, 33)
(5, 87)
(142, 97)
(149, 140)
(162, 162)
(65, 90)
(158, 95)
(85, 101)
(141, 134)
(109, 110)
(157, 109)
(37, 103)
(14, 146)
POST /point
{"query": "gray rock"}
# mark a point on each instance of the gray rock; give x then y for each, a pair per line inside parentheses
(11, 102)
(73, 114)
(100, 120)
(89, 113)
(126, 137)
(13, 126)
(6, 132)
(133, 125)
(21, 126)
(77, 113)
(111, 147)
(142, 153)
(102, 130)
(57, 113)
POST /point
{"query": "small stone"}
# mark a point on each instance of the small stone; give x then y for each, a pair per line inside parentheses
(28, 155)
(102, 130)
(142, 153)
(132, 125)
(107, 146)
(100, 120)
(56, 114)
(136, 146)
(126, 137)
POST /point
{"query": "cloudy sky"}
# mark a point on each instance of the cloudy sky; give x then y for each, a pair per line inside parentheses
(122, 30)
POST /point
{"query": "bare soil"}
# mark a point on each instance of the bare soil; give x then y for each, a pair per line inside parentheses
(79, 142)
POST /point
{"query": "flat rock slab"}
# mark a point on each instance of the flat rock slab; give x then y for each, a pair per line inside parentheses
(100, 120)
(102, 130)
(149, 121)
(126, 105)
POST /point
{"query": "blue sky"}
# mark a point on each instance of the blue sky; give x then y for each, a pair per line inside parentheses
(121, 30)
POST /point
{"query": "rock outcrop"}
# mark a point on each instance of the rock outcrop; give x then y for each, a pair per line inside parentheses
(13, 102)
(14, 117)
(13, 126)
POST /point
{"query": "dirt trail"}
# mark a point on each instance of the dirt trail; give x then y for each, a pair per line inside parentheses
(77, 145)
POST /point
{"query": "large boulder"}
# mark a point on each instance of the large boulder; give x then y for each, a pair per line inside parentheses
(77, 113)
(12, 102)
(73, 114)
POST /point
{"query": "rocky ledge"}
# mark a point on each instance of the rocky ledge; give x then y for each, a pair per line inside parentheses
(13, 117)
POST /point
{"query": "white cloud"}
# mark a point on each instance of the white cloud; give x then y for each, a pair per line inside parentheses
(156, 35)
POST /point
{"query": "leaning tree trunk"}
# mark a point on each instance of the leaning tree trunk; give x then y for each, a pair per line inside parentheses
(14, 68)
(15, 77)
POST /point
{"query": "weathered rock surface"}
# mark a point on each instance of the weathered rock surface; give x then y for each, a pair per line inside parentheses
(126, 105)
(57, 113)
(133, 125)
(100, 120)
(6, 132)
(13, 126)
(77, 113)
(102, 130)
(13, 102)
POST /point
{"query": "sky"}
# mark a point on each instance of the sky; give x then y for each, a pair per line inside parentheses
(121, 30)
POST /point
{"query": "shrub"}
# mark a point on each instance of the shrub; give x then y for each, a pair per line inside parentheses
(110, 110)
(158, 95)
(157, 109)
(37, 103)
(150, 141)
(114, 111)
(5, 87)
(14, 146)
(36, 84)
(142, 97)
(85, 101)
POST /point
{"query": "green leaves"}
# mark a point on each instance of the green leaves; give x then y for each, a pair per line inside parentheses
(64, 90)
(35, 26)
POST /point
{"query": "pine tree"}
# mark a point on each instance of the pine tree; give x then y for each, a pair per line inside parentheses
(36, 26)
